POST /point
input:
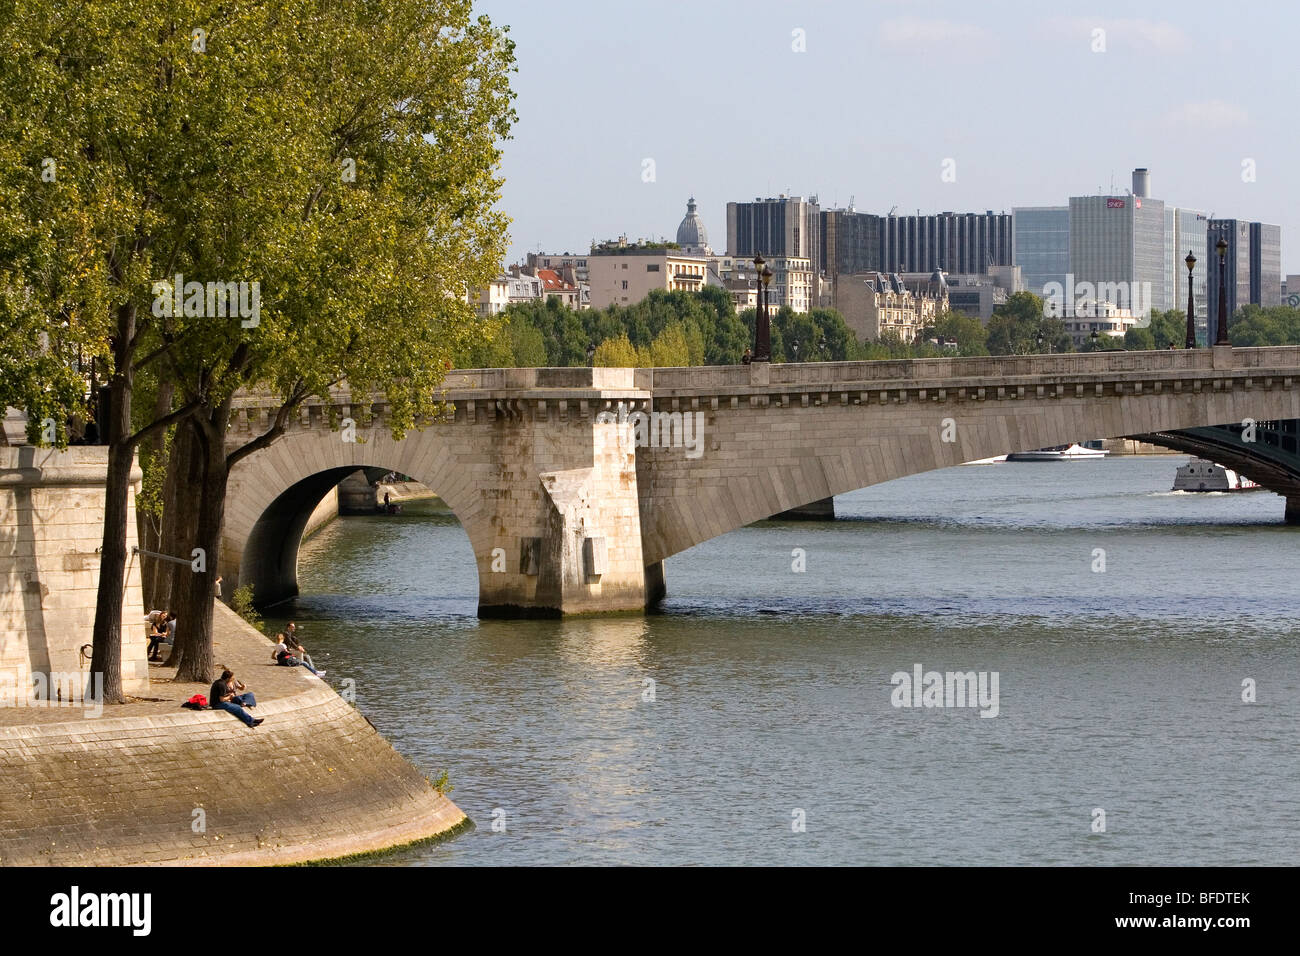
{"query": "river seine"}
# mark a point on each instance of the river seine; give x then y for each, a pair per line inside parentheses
(754, 720)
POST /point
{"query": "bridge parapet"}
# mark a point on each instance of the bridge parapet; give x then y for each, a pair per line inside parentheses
(991, 369)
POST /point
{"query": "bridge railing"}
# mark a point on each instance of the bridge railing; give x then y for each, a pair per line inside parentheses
(982, 367)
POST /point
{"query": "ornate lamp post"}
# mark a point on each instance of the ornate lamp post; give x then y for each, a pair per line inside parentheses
(762, 330)
(1190, 342)
(795, 346)
(1222, 337)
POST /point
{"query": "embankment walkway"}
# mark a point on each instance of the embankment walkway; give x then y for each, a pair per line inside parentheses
(149, 782)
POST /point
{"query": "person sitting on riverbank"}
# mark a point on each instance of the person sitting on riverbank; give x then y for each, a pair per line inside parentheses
(295, 646)
(157, 633)
(224, 696)
(285, 657)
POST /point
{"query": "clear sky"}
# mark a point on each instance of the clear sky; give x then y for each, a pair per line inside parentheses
(1029, 102)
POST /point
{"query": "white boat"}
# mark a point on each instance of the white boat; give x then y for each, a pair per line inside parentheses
(986, 461)
(1202, 475)
(1072, 452)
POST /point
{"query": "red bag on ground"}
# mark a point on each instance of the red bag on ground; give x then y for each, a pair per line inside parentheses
(197, 702)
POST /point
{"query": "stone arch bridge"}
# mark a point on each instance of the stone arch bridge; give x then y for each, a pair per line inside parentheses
(575, 484)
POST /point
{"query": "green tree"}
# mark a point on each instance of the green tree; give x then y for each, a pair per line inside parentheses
(1138, 339)
(1255, 325)
(669, 348)
(970, 334)
(1168, 328)
(1019, 327)
(298, 146)
(617, 352)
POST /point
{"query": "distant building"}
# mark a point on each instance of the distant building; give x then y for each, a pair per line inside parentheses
(494, 298)
(794, 283)
(1265, 264)
(976, 296)
(1041, 245)
(851, 242)
(876, 304)
(1291, 291)
(954, 242)
(522, 288)
(785, 227)
(692, 237)
(1103, 318)
(1190, 230)
(557, 286)
(1236, 269)
(622, 273)
(559, 261)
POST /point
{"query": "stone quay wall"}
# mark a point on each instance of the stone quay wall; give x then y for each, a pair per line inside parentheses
(171, 786)
(51, 529)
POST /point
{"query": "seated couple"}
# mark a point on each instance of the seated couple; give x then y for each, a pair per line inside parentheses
(232, 696)
(290, 653)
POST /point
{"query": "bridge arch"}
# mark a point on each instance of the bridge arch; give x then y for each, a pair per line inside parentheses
(273, 493)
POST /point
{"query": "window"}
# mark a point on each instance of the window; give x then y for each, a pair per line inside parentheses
(625, 284)
(653, 267)
(625, 265)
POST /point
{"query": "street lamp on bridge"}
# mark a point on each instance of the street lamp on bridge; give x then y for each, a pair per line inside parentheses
(762, 328)
(1190, 341)
(1222, 337)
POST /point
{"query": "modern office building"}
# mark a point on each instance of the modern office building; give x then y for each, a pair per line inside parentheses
(1190, 229)
(850, 242)
(953, 242)
(1119, 251)
(1265, 264)
(785, 227)
(1041, 245)
(1252, 266)
(1236, 269)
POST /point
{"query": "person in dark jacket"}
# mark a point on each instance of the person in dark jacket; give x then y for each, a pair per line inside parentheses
(224, 696)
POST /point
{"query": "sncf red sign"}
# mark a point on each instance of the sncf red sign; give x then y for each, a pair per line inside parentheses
(1114, 204)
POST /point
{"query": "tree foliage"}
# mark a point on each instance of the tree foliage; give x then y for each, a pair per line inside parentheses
(337, 156)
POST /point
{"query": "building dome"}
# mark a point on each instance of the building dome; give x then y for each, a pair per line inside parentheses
(691, 234)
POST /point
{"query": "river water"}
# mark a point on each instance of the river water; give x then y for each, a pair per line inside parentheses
(753, 721)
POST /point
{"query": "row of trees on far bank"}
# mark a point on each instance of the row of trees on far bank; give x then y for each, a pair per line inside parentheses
(339, 157)
(703, 328)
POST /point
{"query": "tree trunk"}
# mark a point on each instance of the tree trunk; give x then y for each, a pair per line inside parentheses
(106, 657)
(197, 590)
(180, 516)
(153, 570)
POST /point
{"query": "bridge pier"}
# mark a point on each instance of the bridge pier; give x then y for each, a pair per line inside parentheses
(1293, 509)
(566, 517)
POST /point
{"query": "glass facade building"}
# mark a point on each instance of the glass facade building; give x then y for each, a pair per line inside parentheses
(1189, 235)
(1236, 269)
(1265, 264)
(1041, 245)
